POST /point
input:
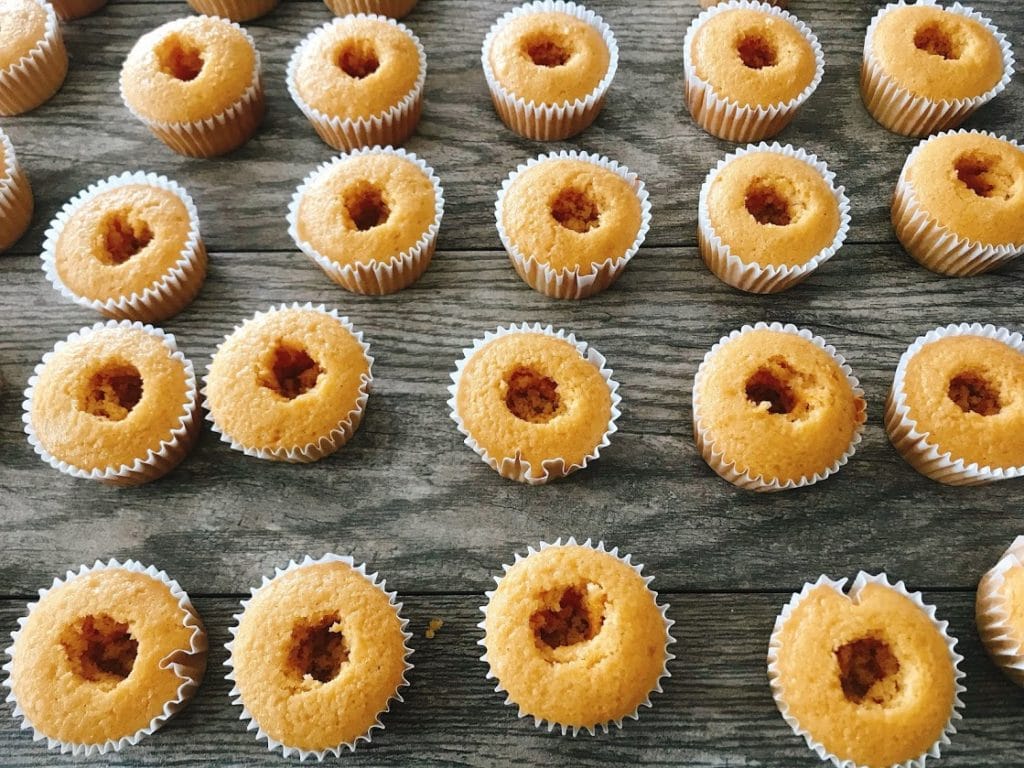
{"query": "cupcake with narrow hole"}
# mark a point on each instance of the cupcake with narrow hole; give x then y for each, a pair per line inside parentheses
(870, 677)
(116, 402)
(33, 60)
(959, 203)
(927, 67)
(769, 216)
(748, 68)
(396, 9)
(235, 10)
(16, 199)
(195, 84)
(956, 408)
(69, 10)
(369, 219)
(548, 66)
(999, 610)
(359, 81)
(534, 403)
(318, 654)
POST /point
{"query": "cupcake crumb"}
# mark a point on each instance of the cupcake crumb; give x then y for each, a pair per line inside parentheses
(432, 628)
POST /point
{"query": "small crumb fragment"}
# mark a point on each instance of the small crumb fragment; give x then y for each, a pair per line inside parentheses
(433, 627)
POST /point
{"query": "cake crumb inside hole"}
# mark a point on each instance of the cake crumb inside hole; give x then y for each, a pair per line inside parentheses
(180, 58)
(292, 371)
(572, 615)
(576, 210)
(112, 392)
(366, 207)
(358, 59)
(99, 648)
(757, 51)
(984, 175)
(933, 39)
(531, 396)
(768, 205)
(765, 386)
(318, 648)
(867, 671)
(974, 394)
(124, 236)
(545, 52)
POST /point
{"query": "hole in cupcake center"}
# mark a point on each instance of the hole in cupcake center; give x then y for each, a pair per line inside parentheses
(757, 51)
(766, 387)
(984, 175)
(545, 52)
(574, 209)
(318, 648)
(574, 616)
(867, 669)
(935, 40)
(180, 59)
(973, 394)
(366, 206)
(531, 396)
(99, 648)
(293, 371)
(358, 59)
(124, 237)
(113, 391)
(768, 205)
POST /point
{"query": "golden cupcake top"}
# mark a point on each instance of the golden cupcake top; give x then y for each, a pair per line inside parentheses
(92, 661)
(357, 67)
(773, 209)
(366, 208)
(575, 637)
(967, 394)
(189, 70)
(870, 676)
(972, 184)
(549, 57)
(777, 405)
(936, 53)
(107, 398)
(317, 654)
(752, 57)
(1012, 594)
(23, 28)
(285, 379)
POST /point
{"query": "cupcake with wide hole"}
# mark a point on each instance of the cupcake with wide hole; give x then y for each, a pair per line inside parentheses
(68, 10)
(959, 203)
(548, 66)
(235, 10)
(534, 403)
(16, 200)
(575, 637)
(396, 9)
(359, 81)
(775, 407)
(956, 409)
(127, 247)
(369, 219)
(105, 657)
(999, 610)
(571, 222)
(748, 68)
(289, 384)
(769, 216)
(33, 60)
(870, 677)
(116, 402)
(927, 67)
(195, 83)
(318, 654)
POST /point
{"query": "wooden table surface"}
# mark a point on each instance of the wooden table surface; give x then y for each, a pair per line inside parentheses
(406, 496)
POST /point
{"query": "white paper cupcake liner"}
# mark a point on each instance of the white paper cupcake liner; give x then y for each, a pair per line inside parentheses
(515, 467)
(550, 122)
(861, 581)
(156, 463)
(934, 246)
(216, 135)
(920, 452)
(726, 468)
(573, 283)
(234, 10)
(390, 128)
(236, 694)
(993, 615)
(751, 276)
(37, 75)
(69, 10)
(899, 110)
(163, 298)
(377, 277)
(187, 663)
(396, 9)
(540, 722)
(728, 119)
(16, 200)
(327, 443)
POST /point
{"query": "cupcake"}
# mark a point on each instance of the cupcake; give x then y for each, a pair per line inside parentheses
(959, 203)
(548, 65)
(105, 657)
(116, 402)
(369, 219)
(571, 221)
(235, 10)
(195, 83)
(927, 68)
(319, 652)
(69, 10)
(748, 68)
(954, 411)
(775, 407)
(127, 247)
(396, 9)
(33, 60)
(289, 384)
(16, 201)
(769, 216)
(1000, 612)
(709, 3)
(359, 81)
(575, 637)
(870, 679)
(533, 403)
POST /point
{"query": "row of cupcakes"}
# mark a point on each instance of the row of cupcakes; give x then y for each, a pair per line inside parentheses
(869, 676)
(245, 10)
